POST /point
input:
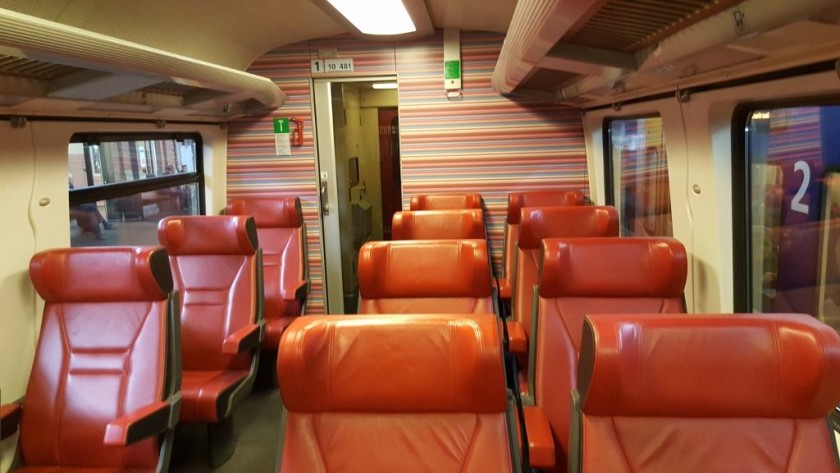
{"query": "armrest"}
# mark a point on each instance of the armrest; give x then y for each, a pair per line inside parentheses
(142, 423)
(9, 419)
(540, 441)
(504, 288)
(517, 339)
(296, 292)
(242, 340)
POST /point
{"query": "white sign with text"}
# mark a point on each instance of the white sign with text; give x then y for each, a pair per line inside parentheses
(321, 66)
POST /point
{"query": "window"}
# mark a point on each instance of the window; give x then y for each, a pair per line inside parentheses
(792, 202)
(122, 185)
(636, 154)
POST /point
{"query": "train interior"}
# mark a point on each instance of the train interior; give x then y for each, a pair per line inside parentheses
(714, 123)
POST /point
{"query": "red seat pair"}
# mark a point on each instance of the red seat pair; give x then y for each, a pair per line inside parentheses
(721, 393)
(394, 393)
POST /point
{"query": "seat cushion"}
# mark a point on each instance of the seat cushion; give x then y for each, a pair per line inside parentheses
(202, 390)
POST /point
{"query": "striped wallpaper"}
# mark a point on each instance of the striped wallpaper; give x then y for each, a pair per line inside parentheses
(482, 142)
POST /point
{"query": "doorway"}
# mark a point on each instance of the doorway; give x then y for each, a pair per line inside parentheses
(357, 130)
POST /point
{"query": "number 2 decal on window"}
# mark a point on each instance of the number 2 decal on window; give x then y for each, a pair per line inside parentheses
(796, 204)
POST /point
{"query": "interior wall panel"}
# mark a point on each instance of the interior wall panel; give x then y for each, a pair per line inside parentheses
(481, 142)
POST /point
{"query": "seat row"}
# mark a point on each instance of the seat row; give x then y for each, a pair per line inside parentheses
(655, 393)
(184, 327)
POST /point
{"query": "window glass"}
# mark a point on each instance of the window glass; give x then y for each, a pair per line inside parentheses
(121, 186)
(793, 157)
(637, 151)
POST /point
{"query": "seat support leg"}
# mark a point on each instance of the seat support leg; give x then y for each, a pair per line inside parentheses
(222, 441)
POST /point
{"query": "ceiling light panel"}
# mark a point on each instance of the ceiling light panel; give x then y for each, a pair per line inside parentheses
(376, 17)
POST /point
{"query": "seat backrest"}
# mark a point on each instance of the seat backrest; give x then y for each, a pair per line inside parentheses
(425, 276)
(279, 222)
(518, 200)
(102, 353)
(215, 268)
(445, 201)
(537, 224)
(722, 393)
(582, 276)
(438, 224)
(388, 393)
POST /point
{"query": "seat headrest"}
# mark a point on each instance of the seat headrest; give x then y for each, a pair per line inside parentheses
(392, 363)
(518, 200)
(424, 268)
(743, 365)
(612, 267)
(105, 274)
(438, 224)
(208, 234)
(445, 201)
(268, 212)
(537, 224)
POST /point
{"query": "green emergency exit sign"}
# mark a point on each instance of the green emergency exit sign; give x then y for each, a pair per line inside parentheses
(281, 125)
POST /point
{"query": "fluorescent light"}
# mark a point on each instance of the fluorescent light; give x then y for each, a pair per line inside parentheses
(384, 85)
(376, 17)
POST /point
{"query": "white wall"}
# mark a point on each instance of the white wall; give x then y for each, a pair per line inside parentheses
(698, 142)
(34, 205)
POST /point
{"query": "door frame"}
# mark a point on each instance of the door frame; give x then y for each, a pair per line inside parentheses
(324, 135)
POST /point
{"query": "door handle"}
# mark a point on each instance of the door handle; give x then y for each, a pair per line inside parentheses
(325, 199)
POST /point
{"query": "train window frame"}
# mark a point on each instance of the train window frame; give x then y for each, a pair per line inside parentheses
(609, 160)
(96, 193)
(740, 189)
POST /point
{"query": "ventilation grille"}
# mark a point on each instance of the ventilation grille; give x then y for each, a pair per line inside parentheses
(32, 69)
(630, 25)
(170, 88)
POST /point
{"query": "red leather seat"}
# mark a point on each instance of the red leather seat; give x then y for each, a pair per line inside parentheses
(438, 224)
(582, 276)
(445, 201)
(103, 391)
(535, 225)
(282, 240)
(716, 393)
(516, 201)
(216, 267)
(381, 394)
(425, 276)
